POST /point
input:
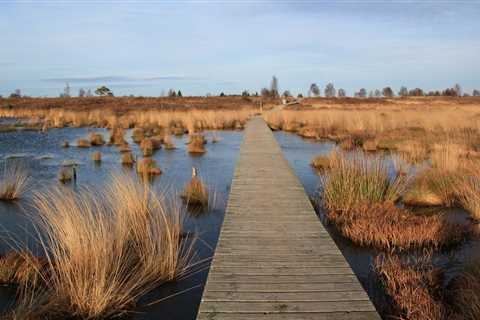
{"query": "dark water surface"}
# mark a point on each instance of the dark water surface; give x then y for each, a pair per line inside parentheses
(43, 155)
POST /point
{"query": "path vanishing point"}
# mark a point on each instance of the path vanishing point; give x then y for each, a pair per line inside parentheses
(274, 259)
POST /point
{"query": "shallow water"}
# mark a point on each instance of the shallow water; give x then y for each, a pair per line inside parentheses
(299, 152)
(43, 155)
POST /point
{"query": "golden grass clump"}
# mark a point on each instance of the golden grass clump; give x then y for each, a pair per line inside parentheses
(413, 151)
(106, 249)
(433, 187)
(20, 268)
(148, 166)
(414, 287)
(195, 193)
(127, 158)
(83, 143)
(117, 136)
(96, 139)
(138, 134)
(383, 225)
(467, 191)
(65, 174)
(147, 146)
(168, 142)
(14, 182)
(196, 144)
(97, 156)
(357, 180)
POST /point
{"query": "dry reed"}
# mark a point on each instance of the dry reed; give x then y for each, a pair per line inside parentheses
(106, 249)
(14, 182)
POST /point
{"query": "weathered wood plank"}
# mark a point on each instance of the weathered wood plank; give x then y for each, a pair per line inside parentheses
(274, 258)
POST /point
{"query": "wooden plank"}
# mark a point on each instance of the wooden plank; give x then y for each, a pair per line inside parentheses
(289, 316)
(274, 258)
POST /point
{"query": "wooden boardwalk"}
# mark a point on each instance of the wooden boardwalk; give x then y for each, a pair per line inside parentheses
(274, 258)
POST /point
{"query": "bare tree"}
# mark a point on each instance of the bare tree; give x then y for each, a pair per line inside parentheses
(388, 92)
(66, 91)
(245, 93)
(378, 93)
(476, 93)
(89, 93)
(342, 93)
(265, 93)
(274, 87)
(362, 93)
(16, 94)
(314, 90)
(417, 92)
(403, 92)
(330, 91)
(172, 93)
(286, 94)
(458, 90)
(81, 93)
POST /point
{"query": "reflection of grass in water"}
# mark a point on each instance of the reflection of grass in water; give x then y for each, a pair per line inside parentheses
(106, 249)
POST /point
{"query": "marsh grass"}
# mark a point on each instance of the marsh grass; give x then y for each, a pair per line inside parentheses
(106, 249)
(465, 292)
(196, 144)
(414, 285)
(195, 193)
(14, 181)
(385, 226)
(359, 179)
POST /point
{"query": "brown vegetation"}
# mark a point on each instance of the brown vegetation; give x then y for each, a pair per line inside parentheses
(414, 286)
(196, 144)
(14, 182)
(83, 143)
(97, 156)
(148, 166)
(195, 193)
(96, 139)
(106, 249)
(383, 225)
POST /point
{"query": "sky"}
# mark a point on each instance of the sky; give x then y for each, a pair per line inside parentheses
(199, 47)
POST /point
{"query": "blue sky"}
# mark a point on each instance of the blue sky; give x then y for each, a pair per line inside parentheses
(147, 47)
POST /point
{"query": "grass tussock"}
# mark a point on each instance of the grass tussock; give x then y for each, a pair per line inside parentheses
(106, 249)
(168, 142)
(20, 268)
(433, 187)
(465, 292)
(14, 182)
(195, 193)
(148, 167)
(96, 139)
(196, 144)
(414, 286)
(127, 158)
(383, 225)
(323, 163)
(356, 180)
(97, 156)
(83, 143)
